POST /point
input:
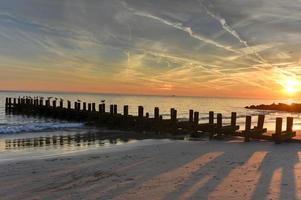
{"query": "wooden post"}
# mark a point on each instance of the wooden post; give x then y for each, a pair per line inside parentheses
(196, 118)
(260, 122)
(89, 107)
(93, 107)
(233, 118)
(15, 101)
(69, 105)
(41, 102)
(147, 115)
(219, 120)
(211, 117)
(289, 124)
(61, 103)
(54, 103)
(115, 109)
(140, 111)
(111, 109)
(248, 128)
(278, 130)
(173, 115)
(156, 113)
(78, 106)
(126, 110)
(103, 108)
(75, 105)
(100, 108)
(84, 106)
(191, 116)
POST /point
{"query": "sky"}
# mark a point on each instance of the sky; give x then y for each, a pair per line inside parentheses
(232, 48)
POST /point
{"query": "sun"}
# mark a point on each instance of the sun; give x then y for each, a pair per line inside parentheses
(291, 86)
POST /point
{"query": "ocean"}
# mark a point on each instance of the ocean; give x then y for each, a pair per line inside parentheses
(15, 130)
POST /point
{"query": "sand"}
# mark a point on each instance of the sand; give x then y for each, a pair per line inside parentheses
(172, 170)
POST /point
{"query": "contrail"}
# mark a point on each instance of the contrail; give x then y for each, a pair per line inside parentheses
(181, 27)
(230, 30)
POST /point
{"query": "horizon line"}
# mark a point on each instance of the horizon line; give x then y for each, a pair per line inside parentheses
(132, 94)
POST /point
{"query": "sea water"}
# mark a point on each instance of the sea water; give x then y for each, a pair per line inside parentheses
(18, 126)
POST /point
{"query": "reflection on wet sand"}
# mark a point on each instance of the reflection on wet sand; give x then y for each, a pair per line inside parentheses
(62, 140)
(79, 139)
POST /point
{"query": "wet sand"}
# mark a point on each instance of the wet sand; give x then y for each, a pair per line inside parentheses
(170, 170)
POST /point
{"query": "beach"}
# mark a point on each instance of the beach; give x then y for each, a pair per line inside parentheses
(49, 158)
(164, 170)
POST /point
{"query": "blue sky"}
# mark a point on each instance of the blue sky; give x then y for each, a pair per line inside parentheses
(193, 47)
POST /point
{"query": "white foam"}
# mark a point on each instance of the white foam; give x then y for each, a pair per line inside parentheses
(37, 127)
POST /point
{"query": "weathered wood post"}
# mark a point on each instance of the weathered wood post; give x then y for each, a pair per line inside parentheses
(173, 115)
(41, 102)
(147, 115)
(196, 118)
(125, 110)
(219, 120)
(78, 106)
(247, 128)
(61, 103)
(289, 124)
(233, 119)
(10, 101)
(100, 108)
(89, 107)
(156, 113)
(260, 121)
(190, 116)
(140, 111)
(278, 130)
(54, 103)
(48, 103)
(69, 105)
(115, 109)
(103, 108)
(93, 107)
(6, 102)
(75, 105)
(84, 106)
(211, 117)
(211, 124)
(111, 109)
(15, 101)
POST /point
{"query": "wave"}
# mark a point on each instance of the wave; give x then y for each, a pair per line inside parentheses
(38, 127)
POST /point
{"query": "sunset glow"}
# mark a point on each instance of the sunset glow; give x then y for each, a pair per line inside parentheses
(291, 86)
(198, 48)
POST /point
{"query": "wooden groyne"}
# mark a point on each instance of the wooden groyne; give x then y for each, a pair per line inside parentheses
(93, 114)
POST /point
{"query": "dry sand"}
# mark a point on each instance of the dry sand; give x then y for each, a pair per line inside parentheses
(174, 170)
